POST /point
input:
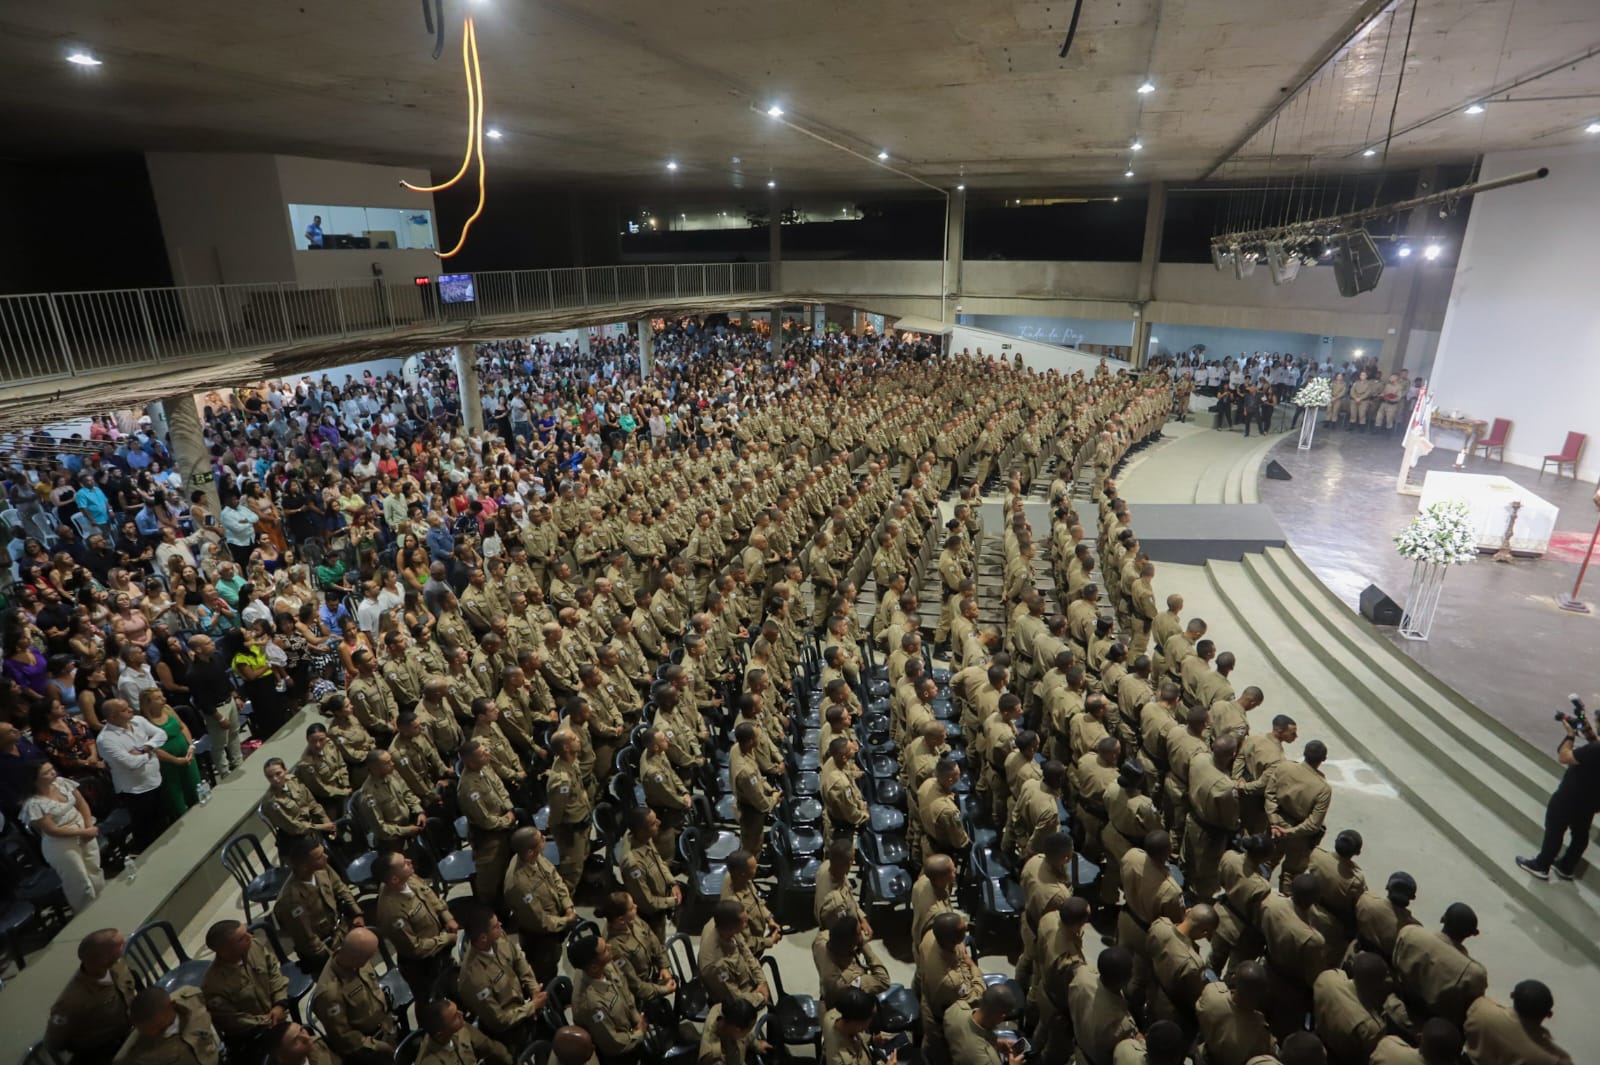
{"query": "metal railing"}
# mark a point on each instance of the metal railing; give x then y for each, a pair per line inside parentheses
(64, 334)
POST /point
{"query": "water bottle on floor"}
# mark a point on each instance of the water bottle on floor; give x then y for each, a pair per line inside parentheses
(131, 870)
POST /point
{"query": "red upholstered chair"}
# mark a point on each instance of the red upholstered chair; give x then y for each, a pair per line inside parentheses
(1568, 457)
(1495, 441)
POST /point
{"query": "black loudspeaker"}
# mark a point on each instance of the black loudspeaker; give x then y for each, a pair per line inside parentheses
(1276, 472)
(1379, 608)
(1356, 263)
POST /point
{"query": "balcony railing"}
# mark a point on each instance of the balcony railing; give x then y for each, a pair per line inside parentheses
(64, 334)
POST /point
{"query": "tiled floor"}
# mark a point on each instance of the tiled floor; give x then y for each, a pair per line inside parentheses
(1499, 638)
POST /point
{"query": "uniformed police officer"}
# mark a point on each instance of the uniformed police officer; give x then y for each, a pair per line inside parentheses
(602, 1003)
(89, 1019)
(450, 1040)
(570, 806)
(496, 981)
(490, 819)
(315, 908)
(389, 809)
(969, 1028)
(539, 902)
(730, 971)
(245, 991)
(170, 1029)
(289, 807)
(415, 920)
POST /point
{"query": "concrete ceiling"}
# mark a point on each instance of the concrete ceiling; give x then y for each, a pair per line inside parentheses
(607, 91)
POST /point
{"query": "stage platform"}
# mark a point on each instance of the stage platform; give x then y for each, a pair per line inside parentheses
(1196, 533)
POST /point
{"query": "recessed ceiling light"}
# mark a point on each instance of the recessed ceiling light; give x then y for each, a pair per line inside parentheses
(774, 111)
(883, 156)
(961, 188)
(772, 184)
(1405, 251)
(1146, 87)
(1116, 199)
(1432, 252)
(1593, 127)
(671, 165)
(1136, 146)
(1475, 109)
(82, 59)
(493, 134)
(1128, 172)
(1369, 152)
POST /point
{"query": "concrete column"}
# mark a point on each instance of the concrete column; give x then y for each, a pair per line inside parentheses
(1395, 345)
(1155, 215)
(467, 380)
(585, 342)
(775, 240)
(819, 317)
(955, 234)
(186, 438)
(647, 349)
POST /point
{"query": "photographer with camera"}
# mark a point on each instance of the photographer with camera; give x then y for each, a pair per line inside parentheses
(1576, 799)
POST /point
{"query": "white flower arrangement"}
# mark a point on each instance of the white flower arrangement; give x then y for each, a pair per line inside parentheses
(1442, 535)
(1316, 392)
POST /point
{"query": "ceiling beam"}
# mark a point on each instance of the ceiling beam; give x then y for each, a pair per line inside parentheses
(1363, 20)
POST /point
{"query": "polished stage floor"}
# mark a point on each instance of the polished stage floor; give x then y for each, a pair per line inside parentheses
(1499, 638)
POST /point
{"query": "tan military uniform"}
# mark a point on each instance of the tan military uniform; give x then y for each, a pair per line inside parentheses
(838, 1048)
(570, 809)
(940, 820)
(498, 986)
(1213, 820)
(642, 958)
(1349, 1027)
(1233, 1036)
(1100, 1017)
(719, 1049)
(1297, 801)
(388, 808)
(293, 811)
(970, 1042)
(608, 1013)
(862, 969)
(1437, 973)
(728, 968)
(467, 1047)
(538, 900)
(89, 1018)
(843, 809)
(194, 1043)
(414, 920)
(757, 931)
(753, 798)
(490, 816)
(239, 997)
(315, 914)
(1178, 968)
(1495, 1033)
(352, 1012)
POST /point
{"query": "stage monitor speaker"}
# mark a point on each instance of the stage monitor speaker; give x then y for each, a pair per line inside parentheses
(1357, 264)
(1379, 608)
(1276, 472)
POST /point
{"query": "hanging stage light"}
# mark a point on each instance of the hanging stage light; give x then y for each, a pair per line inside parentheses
(1285, 266)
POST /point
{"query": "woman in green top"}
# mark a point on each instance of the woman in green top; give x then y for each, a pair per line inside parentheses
(180, 777)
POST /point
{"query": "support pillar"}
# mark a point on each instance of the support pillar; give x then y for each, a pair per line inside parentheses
(1155, 215)
(955, 235)
(467, 382)
(1394, 346)
(775, 241)
(187, 441)
(647, 350)
(585, 342)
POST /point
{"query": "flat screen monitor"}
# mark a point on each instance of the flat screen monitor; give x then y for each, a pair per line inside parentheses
(456, 288)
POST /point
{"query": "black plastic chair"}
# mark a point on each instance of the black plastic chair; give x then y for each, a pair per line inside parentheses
(408, 1050)
(300, 982)
(717, 842)
(15, 915)
(358, 873)
(796, 890)
(259, 880)
(25, 876)
(794, 1020)
(705, 883)
(691, 1002)
(157, 957)
(452, 864)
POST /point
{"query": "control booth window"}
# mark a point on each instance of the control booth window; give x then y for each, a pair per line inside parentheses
(325, 227)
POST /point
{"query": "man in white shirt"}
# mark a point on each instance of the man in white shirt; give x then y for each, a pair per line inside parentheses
(128, 744)
(135, 675)
(370, 611)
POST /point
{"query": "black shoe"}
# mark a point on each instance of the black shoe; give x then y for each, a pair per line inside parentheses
(1562, 873)
(1528, 865)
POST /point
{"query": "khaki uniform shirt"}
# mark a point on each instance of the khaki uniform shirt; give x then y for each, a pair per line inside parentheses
(717, 1048)
(315, 914)
(388, 807)
(1496, 1034)
(1100, 1017)
(1297, 800)
(352, 1012)
(417, 762)
(642, 957)
(648, 878)
(483, 798)
(537, 895)
(1349, 1027)
(757, 931)
(940, 817)
(414, 920)
(833, 898)
(970, 1042)
(293, 811)
(1176, 962)
(498, 985)
(194, 1043)
(839, 1048)
(1435, 970)
(467, 1047)
(1233, 1036)
(240, 996)
(90, 1016)
(608, 1013)
(862, 969)
(569, 799)
(728, 968)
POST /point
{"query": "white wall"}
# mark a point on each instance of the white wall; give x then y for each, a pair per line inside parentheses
(303, 180)
(1035, 356)
(1521, 337)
